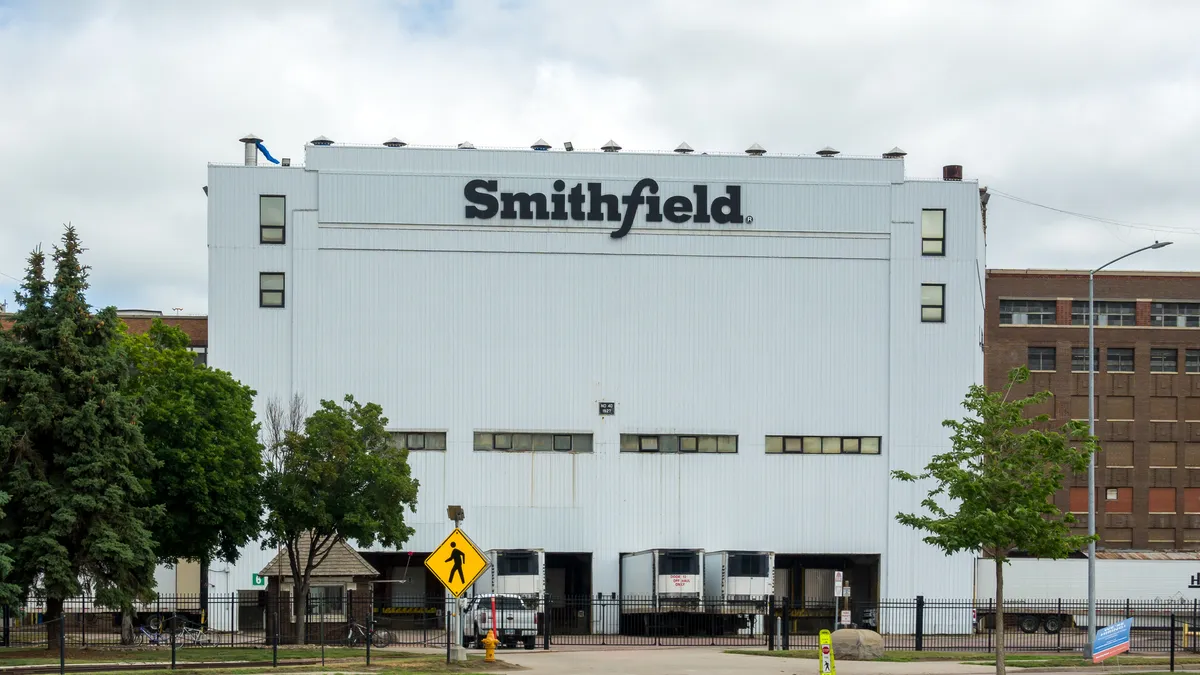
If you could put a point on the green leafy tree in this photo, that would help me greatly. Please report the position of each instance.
(74, 462)
(994, 490)
(332, 477)
(9, 593)
(199, 423)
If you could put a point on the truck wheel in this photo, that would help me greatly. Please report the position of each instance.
(530, 643)
(1053, 624)
(1028, 623)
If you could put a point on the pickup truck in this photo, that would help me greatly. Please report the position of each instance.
(516, 622)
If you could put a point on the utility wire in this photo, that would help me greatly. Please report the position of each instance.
(1098, 219)
(2, 274)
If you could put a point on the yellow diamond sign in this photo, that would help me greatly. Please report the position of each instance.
(457, 562)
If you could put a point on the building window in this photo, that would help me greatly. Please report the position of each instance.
(1028, 312)
(691, 443)
(823, 445)
(419, 440)
(1162, 500)
(1164, 360)
(270, 289)
(1191, 500)
(933, 232)
(201, 355)
(1175, 314)
(933, 303)
(1042, 358)
(1191, 361)
(271, 219)
(505, 441)
(1120, 360)
(1118, 500)
(1108, 313)
(326, 599)
(1077, 501)
(1079, 359)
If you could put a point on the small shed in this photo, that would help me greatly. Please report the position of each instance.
(340, 586)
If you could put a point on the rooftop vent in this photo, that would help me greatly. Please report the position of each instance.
(894, 153)
(466, 145)
(251, 142)
(611, 146)
(683, 148)
(756, 150)
(569, 146)
(287, 161)
(322, 141)
(540, 145)
(952, 172)
(827, 152)
(394, 142)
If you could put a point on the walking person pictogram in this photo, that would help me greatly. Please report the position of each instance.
(457, 557)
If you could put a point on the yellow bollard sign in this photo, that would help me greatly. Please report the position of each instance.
(827, 667)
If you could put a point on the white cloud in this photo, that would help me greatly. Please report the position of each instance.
(113, 109)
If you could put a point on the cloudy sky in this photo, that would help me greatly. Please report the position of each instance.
(111, 110)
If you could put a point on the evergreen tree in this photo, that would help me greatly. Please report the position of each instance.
(74, 462)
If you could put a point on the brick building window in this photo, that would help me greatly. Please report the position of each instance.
(1042, 358)
(1162, 500)
(1078, 500)
(1079, 359)
(1191, 361)
(270, 289)
(933, 232)
(1108, 313)
(271, 219)
(1028, 312)
(933, 303)
(1164, 360)
(1118, 500)
(1191, 500)
(1120, 360)
(1175, 314)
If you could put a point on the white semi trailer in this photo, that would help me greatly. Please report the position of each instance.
(737, 585)
(519, 572)
(1051, 595)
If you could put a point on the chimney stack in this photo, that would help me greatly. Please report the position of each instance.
(251, 142)
(952, 172)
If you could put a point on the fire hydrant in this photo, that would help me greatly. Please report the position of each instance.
(489, 647)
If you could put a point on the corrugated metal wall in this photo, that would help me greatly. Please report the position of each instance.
(806, 321)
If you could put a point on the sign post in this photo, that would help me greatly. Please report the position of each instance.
(1111, 640)
(827, 667)
(457, 562)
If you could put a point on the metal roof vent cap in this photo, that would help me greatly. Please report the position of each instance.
(394, 142)
(466, 145)
(611, 146)
(251, 145)
(756, 150)
(321, 140)
(683, 149)
(894, 153)
(827, 152)
(540, 145)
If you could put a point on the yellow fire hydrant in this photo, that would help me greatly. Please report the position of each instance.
(489, 647)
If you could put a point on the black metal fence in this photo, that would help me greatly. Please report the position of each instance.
(357, 620)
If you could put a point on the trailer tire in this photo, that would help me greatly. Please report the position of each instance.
(1053, 624)
(1028, 623)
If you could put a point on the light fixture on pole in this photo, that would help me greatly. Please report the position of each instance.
(1092, 432)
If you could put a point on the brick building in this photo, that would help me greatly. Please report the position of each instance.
(1147, 389)
(139, 320)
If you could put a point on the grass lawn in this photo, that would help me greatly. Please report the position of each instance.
(985, 659)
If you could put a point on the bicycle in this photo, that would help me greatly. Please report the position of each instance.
(184, 635)
(357, 634)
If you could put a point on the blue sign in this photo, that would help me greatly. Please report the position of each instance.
(1111, 640)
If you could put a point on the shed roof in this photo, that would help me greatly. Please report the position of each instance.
(343, 561)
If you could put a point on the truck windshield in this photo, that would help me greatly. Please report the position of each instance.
(678, 563)
(747, 564)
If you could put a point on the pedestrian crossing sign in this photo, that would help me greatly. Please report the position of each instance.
(457, 563)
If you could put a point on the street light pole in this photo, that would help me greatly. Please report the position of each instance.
(1092, 432)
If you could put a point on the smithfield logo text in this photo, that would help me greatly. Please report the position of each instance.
(593, 204)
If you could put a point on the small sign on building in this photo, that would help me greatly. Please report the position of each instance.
(258, 580)
(607, 407)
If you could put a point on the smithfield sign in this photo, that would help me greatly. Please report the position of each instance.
(592, 203)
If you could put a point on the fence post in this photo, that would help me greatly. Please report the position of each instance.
(62, 644)
(1172, 642)
(275, 638)
(785, 637)
(173, 627)
(7, 617)
(370, 626)
(769, 623)
(545, 620)
(83, 619)
(322, 620)
(920, 627)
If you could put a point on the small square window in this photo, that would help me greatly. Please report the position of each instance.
(270, 289)
(1191, 361)
(708, 443)
(933, 232)
(1079, 360)
(831, 445)
(435, 441)
(1110, 494)
(648, 443)
(933, 303)
(1120, 360)
(1164, 360)
(502, 441)
(793, 444)
(416, 441)
(271, 219)
(727, 444)
(869, 445)
(483, 441)
(688, 444)
(562, 443)
(850, 445)
(812, 445)
(774, 445)
(1042, 358)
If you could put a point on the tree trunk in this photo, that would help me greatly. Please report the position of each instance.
(300, 611)
(127, 627)
(204, 591)
(54, 612)
(999, 617)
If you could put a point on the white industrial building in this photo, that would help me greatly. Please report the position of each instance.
(775, 335)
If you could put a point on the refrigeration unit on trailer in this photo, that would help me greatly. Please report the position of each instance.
(519, 572)
(1050, 595)
(737, 585)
